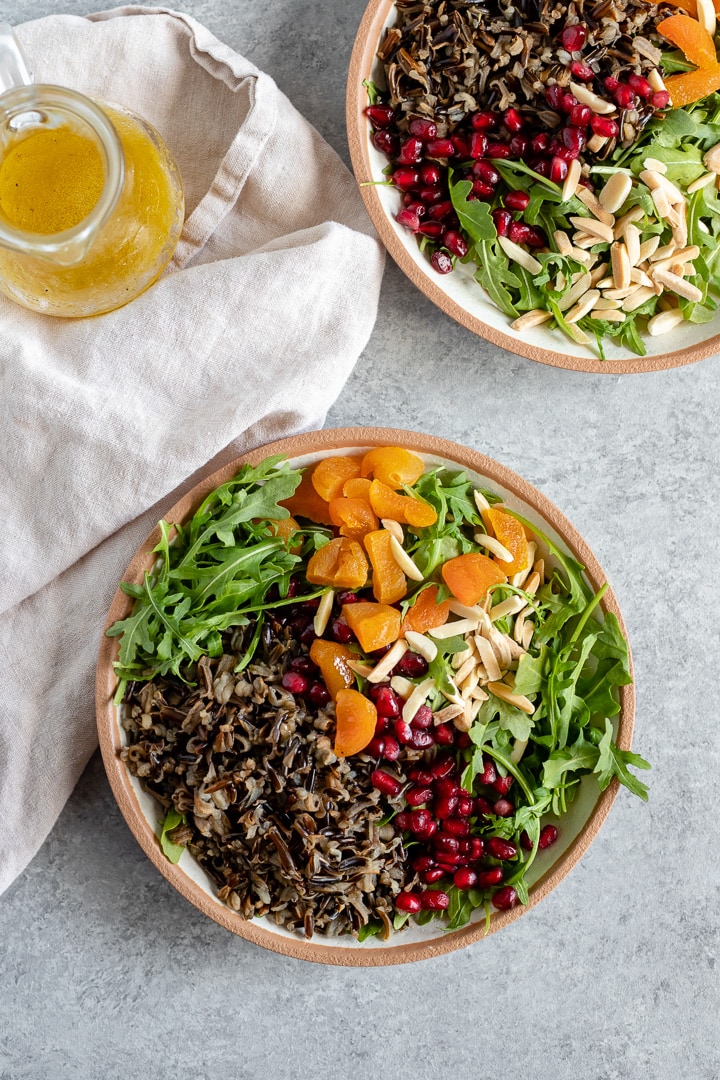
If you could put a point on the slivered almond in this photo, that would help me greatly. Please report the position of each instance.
(596, 142)
(686, 254)
(421, 643)
(519, 748)
(539, 568)
(574, 293)
(532, 584)
(573, 331)
(657, 182)
(621, 294)
(664, 321)
(530, 319)
(632, 243)
(402, 686)
(611, 316)
(504, 692)
(521, 577)
(448, 713)
(480, 500)
(404, 561)
(363, 670)
(528, 631)
(388, 662)
(519, 255)
(394, 528)
(571, 180)
(711, 159)
(511, 606)
(475, 614)
(661, 201)
(655, 79)
(635, 214)
(323, 613)
(606, 283)
(562, 241)
(597, 274)
(655, 165)
(520, 623)
(462, 673)
(587, 97)
(639, 277)
(418, 697)
(678, 285)
(607, 305)
(479, 695)
(462, 626)
(594, 206)
(648, 248)
(638, 298)
(615, 192)
(701, 182)
(587, 258)
(706, 16)
(469, 683)
(583, 241)
(502, 652)
(460, 657)
(594, 228)
(487, 655)
(586, 304)
(620, 265)
(489, 542)
(663, 252)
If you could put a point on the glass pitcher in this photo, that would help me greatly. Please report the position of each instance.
(91, 201)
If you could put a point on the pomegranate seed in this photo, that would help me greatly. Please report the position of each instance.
(440, 148)
(567, 155)
(477, 848)
(489, 773)
(423, 129)
(417, 795)
(434, 229)
(386, 143)
(401, 821)
(294, 682)
(441, 262)
(482, 190)
(421, 740)
(431, 195)
(498, 150)
(392, 749)
(303, 664)
(504, 898)
(483, 170)
(548, 836)
(340, 631)
(430, 175)
(375, 747)
(389, 785)
(418, 820)
(660, 99)
(408, 901)
(483, 121)
(462, 146)
(413, 206)
(517, 200)
(503, 784)
(513, 121)
(500, 849)
(456, 826)
(640, 86)
(543, 168)
(624, 96)
(518, 146)
(318, 694)
(382, 116)
(466, 805)
(574, 37)
(440, 210)
(525, 842)
(411, 666)
(444, 766)
(422, 862)
(408, 219)
(447, 788)
(581, 71)
(423, 718)
(601, 125)
(490, 877)
(403, 732)
(406, 178)
(464, 878)
(610, 84)
(554, 96)
(386, 702)
(580, 115)
(540, 142)
(444, 733)
(569, 101)
(421, 776)
(478, 144)
(462, 740)
(446, 844)
(503, 808)
(558, 169)
(381, 724)
(435, 874)
(445, 807)
(429, 831)
(434, 901)
(537, 238)
(482, 807)
(308, 635)
(503, 220)
(411, 151)
(347, 597)
(456, 243)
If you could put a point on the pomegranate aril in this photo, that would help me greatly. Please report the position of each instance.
(308, 635)
(418, 820)
(462, 146)
(446, 844)
(456, 826)
(421, 740)
(433, 875)
(548, 836)
(386, 143)
(462, 740)
(554, 96)
(410, 203)
(387, 702)
(483, 808)
(574, 37)
(537, 238)
(482, 190)
(434, 229)
(410, 152)
(503, 808)
(503, 221)
(392, 749)
(542, 168)
(446, 787)
(389, 785)
(456, 243)
(416, 795)
(569, 101)
(503, 784)
(411, 666)
(498, 150)
(406, 178)
(443, 766)
(433, 900)
(421, 776)
(611, 84)
(408, 219)
(318, 694)
(431, 195)
(477, 848)
(423, 129)
(573, 138)
(445, 734)
(640, 86)
(517, 200)
(660, 99)
(540, 142)
(566, 154)
(430, 174)
(445, 807)
(558, 169)
(423, 718)
(341, 632)
(347, 597)
(580, 115)
(624, 96)
(440, 148)
(466, 805)
(464, 878)
(403, 732)
(478, 144)
(483, 121)
(604, 127)
(513, 121)
(489, 773)
(407, 901)
(303, 664)
(504, 898)
(525, 842)
(381, 115)
(499, 848)
(484, 170)
(429, 831)
(401, 821)
(518, 146)
(375, 747)
(294, 682)
(581, 71)
(441, 262)
(440, 210)
(490, 877)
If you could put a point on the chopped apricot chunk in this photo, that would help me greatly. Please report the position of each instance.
(388, 581)
(426, 613)
(354, 516)
(341, 563)
(356, 718)
(468, 577)
(393, 465)
(511, 534)
(691, 38)
(357, 488)
(693, 85)
(403, 508)
(374, 625)
(331, 473)
(307, 503)
(332, 659)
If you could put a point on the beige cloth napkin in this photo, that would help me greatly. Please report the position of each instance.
(249, 335)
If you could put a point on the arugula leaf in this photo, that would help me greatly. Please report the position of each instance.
(613, 762)
(171, 850)
(474, 216)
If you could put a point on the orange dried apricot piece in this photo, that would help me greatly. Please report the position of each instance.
(332, 659)
(331, 473)
(356, 718)
(692, 38)
(403, 508)
(511, 535)
(393, 465)
(357, 488)
(691, 6)
(388, 581)
(426, 613)
(306, 503)
(468, 577)
(341, 563)
(693, 85)
(354, 516)
(374, 625)
(286, 528)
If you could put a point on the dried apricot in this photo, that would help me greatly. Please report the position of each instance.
(354, 516)
(357, 488)
(403, 508)
(511, 535)
(374, 625)
(286, 528)
(426, 613)
(692, 38)
(393, 465)
(388, 581)
(306, 503)
(356, 718)
(693, 85)
(332, 659)
(468, 577)
(341, 563)
(331, 473)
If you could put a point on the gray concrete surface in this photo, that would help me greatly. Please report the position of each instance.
(106, 972)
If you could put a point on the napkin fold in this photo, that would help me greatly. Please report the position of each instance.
(249, 335)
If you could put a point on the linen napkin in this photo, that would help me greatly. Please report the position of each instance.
(249, 335)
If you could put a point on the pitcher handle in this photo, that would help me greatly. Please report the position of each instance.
(13, 66)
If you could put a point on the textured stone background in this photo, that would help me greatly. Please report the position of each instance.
(106, 972)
